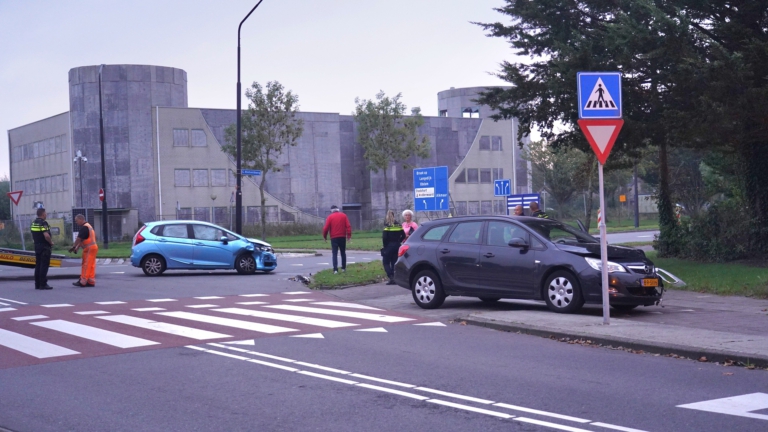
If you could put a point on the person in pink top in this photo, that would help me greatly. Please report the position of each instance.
(409, 226)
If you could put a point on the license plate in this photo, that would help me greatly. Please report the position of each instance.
(650, 282)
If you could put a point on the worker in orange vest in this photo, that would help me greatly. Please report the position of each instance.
(86, 240)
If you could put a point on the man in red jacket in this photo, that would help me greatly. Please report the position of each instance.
(341, 231)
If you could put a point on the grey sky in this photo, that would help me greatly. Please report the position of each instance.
(327, 52)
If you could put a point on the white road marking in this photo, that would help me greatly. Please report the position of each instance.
(705, 296)
(687, 310)
(110, 302)
(202, 306)
(297, 293)
(7, 309)
(252, 303)
(269, 356)
(117, 272)
(261, 362)
(393, 391)
(32, 346)
(343, 304)
(351, 262)
(374, 330)
(242, 342)
(165, 327)
(299, 300)
(254, 295)
(735, 405)
(209, 298)
(95, 334)
(4, 304)
(469, 408)
(327, 369)
(323, 263)
(644, 236)
(245, 325)
(382, 380)
(298, 265)
(541, 413)
(149, 309)
(454, 395)
(290, 318)
(614, 427)
(94, 312)
(161, 300)
(317, 375)
(350, 314)
(552, 425)
(310, 336)
(31, 317)
(57, 305)
(12, 301)
(432, 324)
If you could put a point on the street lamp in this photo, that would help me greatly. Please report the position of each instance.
(239, 193)
(80, 159)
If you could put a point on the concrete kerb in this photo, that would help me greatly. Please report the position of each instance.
(651, 347)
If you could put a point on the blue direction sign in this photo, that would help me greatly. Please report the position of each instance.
(248, 172)
(522, 199)
(599, 95)
(430, 189)
(502, 187)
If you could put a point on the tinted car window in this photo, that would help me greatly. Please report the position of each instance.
(156, 230)
(436, 233)
(204, 232)
(500, 233)
(559, 232)
(467, 232)
(176, 231)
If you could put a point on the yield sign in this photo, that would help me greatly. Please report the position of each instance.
(601, 135)
(15, 196)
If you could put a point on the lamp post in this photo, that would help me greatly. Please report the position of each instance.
(239, 192)
(80, 159)
(104, 228)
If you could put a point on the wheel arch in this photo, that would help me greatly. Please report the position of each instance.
(419, 267)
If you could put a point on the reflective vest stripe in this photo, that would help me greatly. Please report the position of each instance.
(91, 236)
(38, 228)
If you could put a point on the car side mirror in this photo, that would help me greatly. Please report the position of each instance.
(224, 239)
(517, 242)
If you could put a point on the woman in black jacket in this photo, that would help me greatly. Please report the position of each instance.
(392, 237)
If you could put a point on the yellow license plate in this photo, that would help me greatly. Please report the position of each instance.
(650, 282)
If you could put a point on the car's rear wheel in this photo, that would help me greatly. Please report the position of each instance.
(563, 293)
(624, 308)
(489, 299)
(153, 265)
(245, 264)
(427, 290)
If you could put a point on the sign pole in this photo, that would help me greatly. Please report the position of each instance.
(603, 251)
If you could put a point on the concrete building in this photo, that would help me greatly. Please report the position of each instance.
(164, 159)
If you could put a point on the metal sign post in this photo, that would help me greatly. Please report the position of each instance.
(603, 250)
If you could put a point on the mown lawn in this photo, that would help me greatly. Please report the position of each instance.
(116, 250)
(717, 278)
(356, 274)
(361, 240)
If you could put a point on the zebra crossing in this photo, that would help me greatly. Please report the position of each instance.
(34, 334)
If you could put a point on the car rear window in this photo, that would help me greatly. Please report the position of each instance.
(436, 233)
(466, 232)
(157, 230)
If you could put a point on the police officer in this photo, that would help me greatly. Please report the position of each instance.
(536, 211)
(41, 234)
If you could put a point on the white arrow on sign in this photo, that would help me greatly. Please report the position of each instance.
(441, 203)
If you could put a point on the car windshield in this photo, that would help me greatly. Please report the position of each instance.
(558, 232)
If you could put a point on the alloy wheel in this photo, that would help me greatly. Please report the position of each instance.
(560, 292)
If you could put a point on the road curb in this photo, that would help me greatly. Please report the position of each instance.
(712, 355)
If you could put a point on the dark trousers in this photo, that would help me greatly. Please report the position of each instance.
(42, 262)
(339, 244)
(389, 259)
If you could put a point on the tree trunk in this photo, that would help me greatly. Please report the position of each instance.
(668, 243)
(263, 206)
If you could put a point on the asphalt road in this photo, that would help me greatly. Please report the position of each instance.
(407, 369)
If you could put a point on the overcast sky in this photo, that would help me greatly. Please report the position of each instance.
(328, 52)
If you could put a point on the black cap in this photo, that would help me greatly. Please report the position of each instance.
(334, 207)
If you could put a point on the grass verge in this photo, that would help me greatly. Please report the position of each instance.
(634, 244)
(356, 274)
(116, 250)
(361, 240)
(717, 278)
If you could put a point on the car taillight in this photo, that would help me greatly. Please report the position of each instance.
(403, 249)
(139, 238)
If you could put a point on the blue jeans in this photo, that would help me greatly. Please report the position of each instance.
(339, 244)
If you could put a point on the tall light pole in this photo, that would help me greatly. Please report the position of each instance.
(239, 192)
(79, 158)
(104, 228)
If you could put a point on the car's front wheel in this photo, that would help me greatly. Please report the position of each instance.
(427, 290)
(153, 265)
(563, 293)
(245, 264)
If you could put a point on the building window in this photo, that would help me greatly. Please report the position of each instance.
(485, 142)
(461, 208)
(200, 178)
(470, 112)
(486, 207)
(182, 213)
(181, 137)
(181, 177)
(221, 216)
(500, 206)
(485, 175)
(462, 177)
(232, 179)
(198, 138)
(496, 143)
(498, 173)
(443, 113)
(203, 214)
(473, 208)
(472, 175)
(218, 177)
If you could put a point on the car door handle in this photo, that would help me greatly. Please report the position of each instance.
(489, 255)
(445, 251)
(198, 243)
(162, 240)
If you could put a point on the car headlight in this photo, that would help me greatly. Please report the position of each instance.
(597, 264)
(266, 249)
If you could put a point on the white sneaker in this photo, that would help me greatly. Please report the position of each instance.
(343, 270)
(335, 272)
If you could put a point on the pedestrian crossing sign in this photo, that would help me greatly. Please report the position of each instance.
(599, 95)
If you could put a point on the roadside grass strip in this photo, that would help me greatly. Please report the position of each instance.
(357, 274)
(412, 389)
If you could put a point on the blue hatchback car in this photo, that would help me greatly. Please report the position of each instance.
(195, 245)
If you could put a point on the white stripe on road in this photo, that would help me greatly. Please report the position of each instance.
(614, 427)
(245, 325)
(469, 408)
(290, 318)
(350, 314)
(31, 317)
(4, 304)
(7, 309)
(299, 300)
(254, 295)
(432, 324)
(542, 413)
(297, 292)
(110, 302)
(251, 303)
(382, 380)
(32, 346)
(393, 391)
(96, 312)
(160, 300)
(95, 334)
(343, 304)
(152, 309)
(12, 301)
(312, 365)
(209, 297)
(57, 305)
(297, 265)
(454, 395)
(552, 425)
(330, 378)
(165, 327)
(202, 306)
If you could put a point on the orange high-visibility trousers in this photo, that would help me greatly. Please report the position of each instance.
(88, 269)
